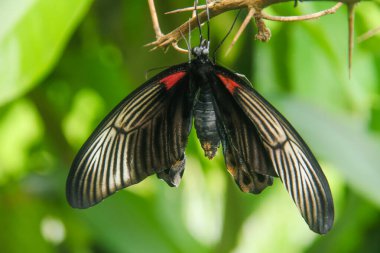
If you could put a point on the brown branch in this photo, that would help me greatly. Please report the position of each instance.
(199, 7)
(315, 15)
(351, 21)
(215, 8)
(220, 6)
(179, 49)
(368, 34)
(156, 25)
(241, 29)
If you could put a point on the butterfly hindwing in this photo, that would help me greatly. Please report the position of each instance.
(292, 160)
(136, 140)
(244, 154)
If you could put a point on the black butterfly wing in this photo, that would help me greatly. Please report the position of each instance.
(145, 134)
(291, 158)
(244, 154)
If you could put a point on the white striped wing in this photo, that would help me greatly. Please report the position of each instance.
(145, 134)
(292, 159)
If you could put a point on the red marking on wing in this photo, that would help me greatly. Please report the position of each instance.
(172, 79)
(230, 84)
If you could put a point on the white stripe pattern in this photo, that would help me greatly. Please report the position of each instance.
(291, 158)
(133, 142)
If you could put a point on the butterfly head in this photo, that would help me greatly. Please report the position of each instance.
(202, 51)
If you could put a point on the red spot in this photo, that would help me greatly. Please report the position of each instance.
(172, 79)
(228, 83)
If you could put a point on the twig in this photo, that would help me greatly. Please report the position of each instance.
(179, 49)
(215, 8)
(175, 35)
(156, 25)
(241, 29)
(221, 6)
(368, 34)
(315, 15)
(199, 7)
(351, 21)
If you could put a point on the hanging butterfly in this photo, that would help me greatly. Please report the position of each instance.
(147, 133)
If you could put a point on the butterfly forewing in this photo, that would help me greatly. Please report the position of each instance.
(136, 140)
(292, 160)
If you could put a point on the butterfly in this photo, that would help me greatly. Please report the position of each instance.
(147, 133)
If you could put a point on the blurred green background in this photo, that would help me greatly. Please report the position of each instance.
(65, 63)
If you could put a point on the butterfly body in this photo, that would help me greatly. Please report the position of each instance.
(147, 134)
(205, 121)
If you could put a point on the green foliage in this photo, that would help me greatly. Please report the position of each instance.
(64, 65)
(32, 35)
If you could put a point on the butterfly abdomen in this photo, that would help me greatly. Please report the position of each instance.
(205, 121)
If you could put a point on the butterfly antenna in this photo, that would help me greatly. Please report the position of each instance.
(199, 22)
(190, 37)
(147, 72)
(189, 42)
(187, 45)
(225, 37)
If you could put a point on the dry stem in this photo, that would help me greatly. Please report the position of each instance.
(153, 13)
(220, 6)
(369, 34)
(315, 15)
(351, 20)
(241, 29)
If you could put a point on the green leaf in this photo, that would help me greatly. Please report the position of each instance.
(32, 35)
(20, 128)
(131, 223)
